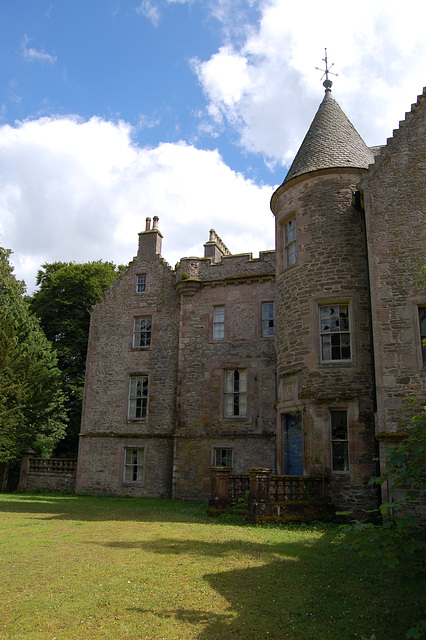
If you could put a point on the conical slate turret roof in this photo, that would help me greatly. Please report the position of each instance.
(332, 141)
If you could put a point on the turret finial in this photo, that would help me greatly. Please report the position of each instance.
(327, 83)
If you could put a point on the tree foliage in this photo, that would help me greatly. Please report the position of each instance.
(399, 539)
(32, 406)
(67, 291)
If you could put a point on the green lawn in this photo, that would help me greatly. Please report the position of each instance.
(89, 567)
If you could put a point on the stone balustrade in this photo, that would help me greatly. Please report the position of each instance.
(267, 492)
(51, 474)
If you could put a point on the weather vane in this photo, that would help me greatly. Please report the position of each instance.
(327, 83)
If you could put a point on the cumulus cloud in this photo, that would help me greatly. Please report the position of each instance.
(265, 84)
(81, 190)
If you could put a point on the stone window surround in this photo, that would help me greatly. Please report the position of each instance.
(229, 454)
(342, 330)
(141, 287)
(146, 332)
(136, 374)
(334, 441)
(421, 349)
(141, 313)
(280, 236)
(225, 394)
(215, 323)
(133, 483)
(352, 415)
(262, 319)
(320, 302)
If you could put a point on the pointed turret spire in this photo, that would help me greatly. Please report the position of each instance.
(331, 141)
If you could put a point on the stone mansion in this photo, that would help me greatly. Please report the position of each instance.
(298, 360)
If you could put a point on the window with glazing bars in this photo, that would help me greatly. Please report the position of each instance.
(267, 319)
(138, 397)
(142, 331)
(218, 323)
(223, 458)
(290, 247)
(339, 441)
(141, 283)
(335, 332)
(133, 465)
(422, 322)
(235, 393)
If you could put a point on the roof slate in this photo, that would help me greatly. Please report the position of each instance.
(331, 141)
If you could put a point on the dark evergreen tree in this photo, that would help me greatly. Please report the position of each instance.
(32, 404)
(62, 303)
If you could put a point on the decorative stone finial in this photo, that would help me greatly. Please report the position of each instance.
(327, 83)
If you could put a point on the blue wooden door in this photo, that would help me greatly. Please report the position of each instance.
(293, 444)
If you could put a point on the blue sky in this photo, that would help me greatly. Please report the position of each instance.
(115, 110)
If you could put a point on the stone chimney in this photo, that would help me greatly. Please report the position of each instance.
(150, 240)
(215, 248)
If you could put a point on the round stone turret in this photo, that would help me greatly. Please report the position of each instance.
(322, 339)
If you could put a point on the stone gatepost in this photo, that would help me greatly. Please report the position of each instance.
(259, 501)
(25, 467)
(219, 487)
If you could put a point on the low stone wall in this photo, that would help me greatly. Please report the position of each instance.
(50, 474)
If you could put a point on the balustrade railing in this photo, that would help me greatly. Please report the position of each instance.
(57, 466)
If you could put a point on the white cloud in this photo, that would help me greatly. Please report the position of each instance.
(224, 77)
(75, 190)
(33, 54)
(266, 85)
(150, 11)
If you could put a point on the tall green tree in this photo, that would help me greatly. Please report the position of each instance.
(32, 405)
(67, 291)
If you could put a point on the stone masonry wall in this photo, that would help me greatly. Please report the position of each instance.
(240, 284)
(194, 458)
(111, 361)
(331, 268)
(395, 197)
(101, 466)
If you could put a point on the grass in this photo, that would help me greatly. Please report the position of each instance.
(87, 567)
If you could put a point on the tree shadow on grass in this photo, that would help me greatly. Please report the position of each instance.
(102, 508)
(301, 591)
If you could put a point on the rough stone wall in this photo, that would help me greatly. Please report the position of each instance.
(193, 460)
(331, 267)
(101, 466)
(111, 361)
(187, 402)
(51, 482)
(237, 266)
(395, 196)
(240, 284)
